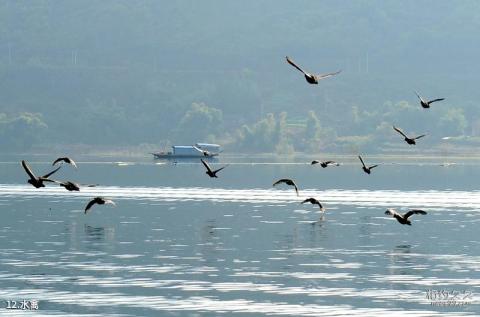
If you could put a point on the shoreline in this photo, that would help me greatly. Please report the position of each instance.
(109, 155)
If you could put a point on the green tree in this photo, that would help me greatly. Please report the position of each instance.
(262, 136)
(199, 123)
(313, 133)
(283, 145)
(453, 122)
(21, 131)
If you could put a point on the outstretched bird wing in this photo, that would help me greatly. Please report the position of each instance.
(47, 175)
(399, 131)
(296, 188)
(206, 166)
(66, 160)
(373, 166)
(206, 153)
(60, 159)
(90, 204)
(361, 160)
(435, 100)
(221, 168)
(323, 76)
(28, 170)
(420, 136)
(414, 211)
(73, 163)
(308, 200)
(320, 205)
(283, 180)
(294, 65)
(314, 162)
(421, 99)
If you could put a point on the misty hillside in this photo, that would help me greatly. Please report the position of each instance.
(123, 73)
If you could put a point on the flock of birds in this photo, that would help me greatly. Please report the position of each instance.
(403, 219)
(314, 79)
(38, 181)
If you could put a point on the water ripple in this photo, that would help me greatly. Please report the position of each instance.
(366, 198)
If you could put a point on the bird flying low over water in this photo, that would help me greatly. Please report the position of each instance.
(71, 186)
(410, 141)
(100, 201)
(37, 182)
(311, 78)
(288, 182)
(313, 201)
(366, 169)
(210, 172)
(426, 103)
(325, 163)
(403, 219)
(66, 160)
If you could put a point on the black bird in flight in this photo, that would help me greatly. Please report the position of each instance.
(426, 103)
(71, 186)
(66, 160)
(311, 78)
(365, 168)
(410, 141)
(100, 201)
(313, 201)
(205, 153)
(403, 219)
(325, 163)
(288, 182)
(209, 171)
(37, 182)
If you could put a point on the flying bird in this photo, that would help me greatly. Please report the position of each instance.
(288, 182)
(311, 78)
(37, 182)
(71, 186)
(66, 160)
(313, 201)
(325, 163)
(426, 103)
(209, 171)
(365, 168)
(410, 141)
(100, 201)
(205, 153)
(403, 219)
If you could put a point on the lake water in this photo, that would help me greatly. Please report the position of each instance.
(181, 244)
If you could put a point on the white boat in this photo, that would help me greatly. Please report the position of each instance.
(189, 151)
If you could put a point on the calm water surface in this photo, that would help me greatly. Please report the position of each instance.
(181, 244)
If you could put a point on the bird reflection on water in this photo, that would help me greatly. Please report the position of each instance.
(401, 260)
(94, 234)
(98, 238)
(209, 240)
